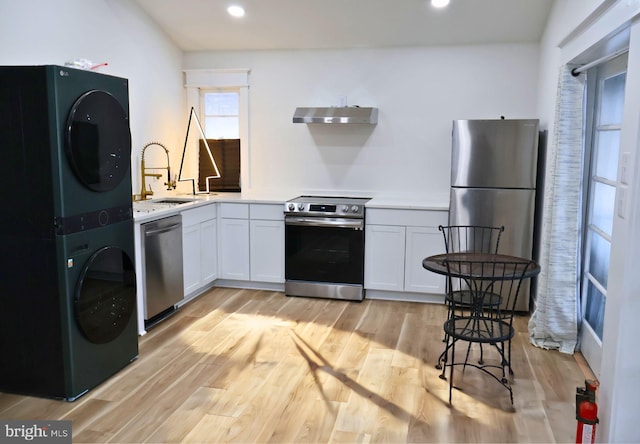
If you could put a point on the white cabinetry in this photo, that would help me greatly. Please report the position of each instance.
(396, 242)
(266, 242)
(420, 243)
(234, 241)
(384, 257)
(199, 248)
(252, 242)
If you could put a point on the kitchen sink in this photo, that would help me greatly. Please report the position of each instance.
(147, 206)
(173, 201)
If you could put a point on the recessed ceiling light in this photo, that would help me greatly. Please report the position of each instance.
(236, 11)
(439, 3)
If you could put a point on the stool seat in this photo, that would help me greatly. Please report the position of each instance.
(485, 330)
(464, 299)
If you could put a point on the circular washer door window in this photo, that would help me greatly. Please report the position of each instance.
(105, 295)
(98, 141)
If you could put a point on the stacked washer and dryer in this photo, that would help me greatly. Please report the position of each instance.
(67, 286)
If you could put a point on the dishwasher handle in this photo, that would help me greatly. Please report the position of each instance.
(162, 230)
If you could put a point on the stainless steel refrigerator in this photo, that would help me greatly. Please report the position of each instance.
(493, 182)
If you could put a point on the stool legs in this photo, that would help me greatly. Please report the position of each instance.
(447, 359)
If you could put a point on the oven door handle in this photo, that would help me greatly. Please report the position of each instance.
(356, 224)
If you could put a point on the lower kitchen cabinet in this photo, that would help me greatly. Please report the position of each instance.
(191, 258)
(209, 256)
(234, 248)
(384, 257)
(199, 248)
(267, 250)
(252, 242)
(420, 243)
(396, 243)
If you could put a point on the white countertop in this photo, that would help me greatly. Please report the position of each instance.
(145, 211)
(148, 210)
(427, 201)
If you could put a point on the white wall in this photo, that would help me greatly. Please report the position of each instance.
(41, 32)
(619, 391)
(565, 16)
(418, 91)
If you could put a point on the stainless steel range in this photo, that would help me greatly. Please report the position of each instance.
(324, 247)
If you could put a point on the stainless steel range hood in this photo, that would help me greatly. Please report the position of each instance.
(336, 114)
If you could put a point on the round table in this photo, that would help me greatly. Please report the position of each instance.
(476, 265)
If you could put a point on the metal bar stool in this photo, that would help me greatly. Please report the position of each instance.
(462, 239)
(484, 323)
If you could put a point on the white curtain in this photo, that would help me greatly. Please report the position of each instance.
(554, 322)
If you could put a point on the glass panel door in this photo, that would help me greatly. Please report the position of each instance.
(605, 101)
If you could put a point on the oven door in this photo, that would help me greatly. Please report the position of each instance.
(325, 250)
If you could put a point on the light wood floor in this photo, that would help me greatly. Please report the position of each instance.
(256, 366)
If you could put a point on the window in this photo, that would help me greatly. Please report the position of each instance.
(222, 131)
(220, 100)
(605, 102)
(221, 115)
(226, 153)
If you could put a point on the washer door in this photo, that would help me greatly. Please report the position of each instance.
(98, 141)
(105, 295)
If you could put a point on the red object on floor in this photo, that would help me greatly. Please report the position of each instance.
(586, 412)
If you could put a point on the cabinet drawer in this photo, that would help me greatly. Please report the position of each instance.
(199, 214)
(234, 210)
(266, 211)
(409, 218)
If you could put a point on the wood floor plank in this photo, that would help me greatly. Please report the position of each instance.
(257, 416)
(208, 428)
(302, 310)
(137, 406)
(289, 416)
(34, 407)
(407, 351)
(220, 309)
(316, 331)
(180, 423)
(339, 335)
(237, 365)
(318, 423)
(85, 413)
(431, 419)
(400, 389)
(155, 414)
(337, 378)
(9, 402)
(387, 332)
(361, 408)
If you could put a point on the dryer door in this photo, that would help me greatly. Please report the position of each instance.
(98, 141)
(105, 296)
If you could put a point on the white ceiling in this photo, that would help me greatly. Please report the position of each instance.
(204, 25)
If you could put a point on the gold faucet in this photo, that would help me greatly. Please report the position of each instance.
(171, 184)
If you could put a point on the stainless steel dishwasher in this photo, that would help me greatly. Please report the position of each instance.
(163, 280)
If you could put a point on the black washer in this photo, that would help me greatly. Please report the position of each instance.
(106, 295)
(98, 141)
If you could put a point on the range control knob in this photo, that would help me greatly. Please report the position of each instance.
(300, 206)
(291, 207)
(354, 208)
(345, 208)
